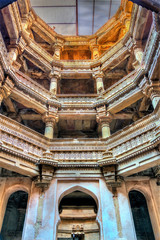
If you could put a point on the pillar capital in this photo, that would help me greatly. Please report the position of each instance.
(97, 73)
(57, 48)
(50, 116)
(103, 116)
(55, 73)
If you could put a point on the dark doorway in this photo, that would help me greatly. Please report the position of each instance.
(14, 216)
(141, 216)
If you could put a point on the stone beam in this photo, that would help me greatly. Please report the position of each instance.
(77, 114)
(8, 102)
(140, 24)
(125, 101)
(16, 164)
(140, 163)
(28, 101)
(27, 116)
(11, 23)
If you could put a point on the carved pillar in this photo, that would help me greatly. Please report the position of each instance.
(6, 89)
(55, 76)
(50, 118)
(104, 118)
(13, 53)
(49, 128)
(98, 76)
(151, 89)
(57, 49)
(95, 51)
(105, 129)
(94, 48)
(155, 96)
(138, 52)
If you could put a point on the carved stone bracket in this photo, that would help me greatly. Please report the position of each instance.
(46, 170)
(6, 88)
(109, 164)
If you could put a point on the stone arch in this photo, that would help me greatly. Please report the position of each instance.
(79, 188)
(83, 190)
(15, 212)
(146, 191)
(140, 213)
(7, 193)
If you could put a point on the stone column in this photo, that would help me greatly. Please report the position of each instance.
(50, 118)
(55, 75)
(57, 49)
(13, 53)
(49, 128)
(155, 96)
(138, 53)
(94, 48)
(105, 129)
(151, 89)
(99, 83)
(98, 75)
(95, 51)
(104, 118)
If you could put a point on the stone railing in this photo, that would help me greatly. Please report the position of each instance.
(72, 100)
(20, 140)
(134, 139)
(27, 83)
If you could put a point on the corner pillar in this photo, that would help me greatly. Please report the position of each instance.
(151, 89)
(50, 118)
(49, 128)
(57, 49)
(138, 53)
(13, 53)
(98, 76)
(104, 118)
(55, 76)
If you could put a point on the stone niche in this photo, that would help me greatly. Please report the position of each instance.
(78, 213)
